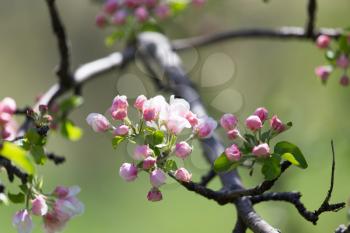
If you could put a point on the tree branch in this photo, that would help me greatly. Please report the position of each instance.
(311, 21)
(282, 33)
(63, 70)
(207, 177)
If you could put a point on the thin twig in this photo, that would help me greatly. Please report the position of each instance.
(311, 21)
(207, 178)
(56, 158)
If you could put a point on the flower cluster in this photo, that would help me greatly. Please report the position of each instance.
(337, 55)
(8, 126)
(253, 145)
(56, 209)
(157, 135)
(138, 14)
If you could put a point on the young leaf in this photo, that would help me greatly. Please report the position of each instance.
(116, 141)
(38, 154)
(16, 198)
(158, 137)
(293, 153)
(222, 164)
(271, 168)
(71, 103)
(70, 131)
(170, 165)
(18, 156)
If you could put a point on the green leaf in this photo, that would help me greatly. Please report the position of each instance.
(112, 39)
(343, 43)
(222, 164)
(116, 141)
(38, 154)
(71, 103)
(70, 131)
(170, 165)
(150, 27)
(18, 156)
(158, 137)
(293, 153)
(271, 168)
(16, 198)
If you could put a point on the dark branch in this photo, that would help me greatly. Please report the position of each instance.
(56, 159)
(294, 198)
(13, 171)
(283, 33)
(207, 178)
(63, 70)
(343, 229)
(311, 21)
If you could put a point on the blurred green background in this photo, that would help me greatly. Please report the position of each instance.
(271, 73)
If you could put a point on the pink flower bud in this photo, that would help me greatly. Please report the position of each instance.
(120, 102)
(149, 114)
(183, 175)
(141, 14)
(54, 222)
(276, 124)
(121, 130)
(323, 72)
(253, 123)
(157, 178)
(9, 130)
(233, 134)
(39, 206)
(206, 127)
(228, 121)
(98, 122)
(262, 113)
(233, 153)
(139, 102)
(101, 21)
(8, 105)
(5, 117)
(119, 18)
(110, 6)
(142, 151)
(149, 163)
(119, 114)
(162, 11)
(131, 3)
(192, 118)
(23, 222)
(128, 172)
(344, 80)
(261, 150)
(65, 192)
(323, 41)
(343, 61)
(154, 195)
(183, 149)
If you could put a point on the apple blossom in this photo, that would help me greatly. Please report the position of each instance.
(183, 175)
(323, 41)
(141, 14)
(149, 162)
(261, 150)
(157, 178)
(162, 11)
(206, 127)
(183, 149)
(110, 6)
(39, 206)
(23, 222)
(119, 18)
(142, 151)
(228, 121)
(121, 130)
(253, 123)
(101, 21)
(323, 72)
(276, 124)
(233, 134)
(128, 172)
(8, 105)
(154, 195)
(233, 153)
(343, 61)
(344, 81)
(139, 102)
(192, 118)
(98, 122)
(262, 113)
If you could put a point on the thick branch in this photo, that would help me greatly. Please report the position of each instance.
(283, 33)
(63, 70)
(12, 171)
